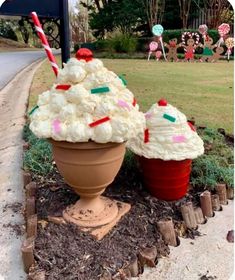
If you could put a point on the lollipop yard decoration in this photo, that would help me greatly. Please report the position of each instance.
(203, 31)
(157, 30)
(229, 42)
(152, 48)
(223, 30)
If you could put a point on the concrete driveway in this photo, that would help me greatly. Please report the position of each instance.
(13, 62)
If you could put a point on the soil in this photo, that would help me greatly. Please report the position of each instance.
(15, 207)
(17, 229)
(65, 252)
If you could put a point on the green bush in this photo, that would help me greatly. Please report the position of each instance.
(216, 165)
(123, 43)
(7, 31)
(207, 172)
(38, 158)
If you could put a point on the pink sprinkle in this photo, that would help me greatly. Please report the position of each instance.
(148, 115)
(123, 104)
(56, 126)
(179, 138)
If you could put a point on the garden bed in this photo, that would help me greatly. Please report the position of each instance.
(62, 251)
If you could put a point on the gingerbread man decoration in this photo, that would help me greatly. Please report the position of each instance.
(189, 49)
(207, 49)
(172, 49)
(217, 54)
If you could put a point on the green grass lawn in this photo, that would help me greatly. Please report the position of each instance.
(200, 90)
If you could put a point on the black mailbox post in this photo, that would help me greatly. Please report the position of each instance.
(45, 9)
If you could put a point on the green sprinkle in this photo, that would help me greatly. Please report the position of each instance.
(100, 90)
(123, 80)
(169, 118)
(34, 108)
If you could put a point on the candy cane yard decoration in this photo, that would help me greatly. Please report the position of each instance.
(157, 30)
(44, 41)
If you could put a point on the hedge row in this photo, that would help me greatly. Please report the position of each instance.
(138, 44)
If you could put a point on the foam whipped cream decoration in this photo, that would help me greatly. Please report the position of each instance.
(87, 102)
(168, 135)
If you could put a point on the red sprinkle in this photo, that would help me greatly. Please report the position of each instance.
(192, 126)
(134, 102)
(105, 119)
(146, 135)
(63, 87)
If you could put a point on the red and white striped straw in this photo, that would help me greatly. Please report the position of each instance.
(44, 41)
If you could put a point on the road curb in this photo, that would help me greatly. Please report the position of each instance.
(13, 105)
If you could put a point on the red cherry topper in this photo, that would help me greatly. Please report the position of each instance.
(162, 102)
(84, 54)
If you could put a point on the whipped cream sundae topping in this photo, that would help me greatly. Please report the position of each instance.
(168, 135)
(87, 102)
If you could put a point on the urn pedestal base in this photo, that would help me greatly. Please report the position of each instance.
(92, 212)
(89, 167)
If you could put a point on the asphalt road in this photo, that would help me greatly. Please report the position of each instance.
(13, 62)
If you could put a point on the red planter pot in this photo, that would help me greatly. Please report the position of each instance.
(166, 180)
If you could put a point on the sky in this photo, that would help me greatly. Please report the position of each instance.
(1, 1)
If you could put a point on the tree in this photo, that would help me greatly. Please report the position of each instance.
(221, 10)
(171, 18)
(184, 11)
(7, 29)
(125, 15)
(24, 30)
(79, 23)
(154, 11)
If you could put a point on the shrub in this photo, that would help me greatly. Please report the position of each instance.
(38, 158)
(216, 165)
(7, 31)
(207, 172)
(123, 43)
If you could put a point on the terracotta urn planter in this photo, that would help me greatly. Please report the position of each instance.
(89, 168)
(166, 180)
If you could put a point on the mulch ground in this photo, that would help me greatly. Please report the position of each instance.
(65, 252)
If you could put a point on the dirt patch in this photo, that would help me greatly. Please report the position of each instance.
(15, 228)
(14, 207)
(65, 252)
